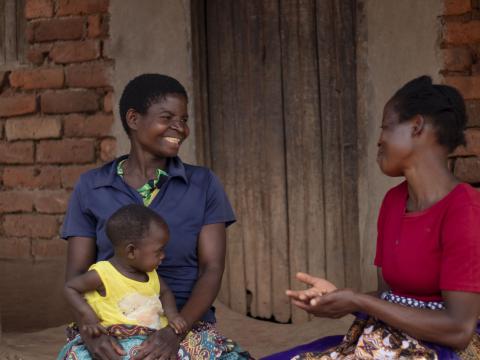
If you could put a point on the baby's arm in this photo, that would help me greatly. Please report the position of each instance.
(176, 321)
(74, 290)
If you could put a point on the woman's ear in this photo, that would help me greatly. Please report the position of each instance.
(418, 125)
(130, 251)
(132, 118)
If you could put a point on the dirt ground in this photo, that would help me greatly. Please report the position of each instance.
(259, 337)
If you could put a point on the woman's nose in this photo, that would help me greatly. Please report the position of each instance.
(178, 124)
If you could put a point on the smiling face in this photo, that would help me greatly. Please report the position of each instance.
(395, 144)
(163, 128)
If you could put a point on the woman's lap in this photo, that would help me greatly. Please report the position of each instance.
(369, 338)
(203, 342)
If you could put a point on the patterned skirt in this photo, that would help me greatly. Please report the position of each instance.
(369, 338)
(202, 342)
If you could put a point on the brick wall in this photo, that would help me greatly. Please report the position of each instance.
(55, 121)
(461, 53)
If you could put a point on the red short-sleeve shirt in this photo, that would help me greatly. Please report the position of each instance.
(423, 253)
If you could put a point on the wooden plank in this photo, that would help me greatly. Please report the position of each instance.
(344, 21)
(200, 82)
(2, 32)
(20, 31)
(223, 137)
(273, 177)
(331, 143)
(303, 134)
(265, 207)
(10, 31)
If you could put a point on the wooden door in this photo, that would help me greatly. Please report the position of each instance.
(276, 122)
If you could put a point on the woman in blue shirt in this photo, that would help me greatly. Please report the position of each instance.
(153, 110)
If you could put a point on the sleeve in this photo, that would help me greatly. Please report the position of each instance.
(380, 224)
(460, 264)
(218, 208)
(78, 221)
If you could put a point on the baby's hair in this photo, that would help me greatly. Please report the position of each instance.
(131, 223)
(443, 104)
(145, 90)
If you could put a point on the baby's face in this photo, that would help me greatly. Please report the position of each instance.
(150, 251)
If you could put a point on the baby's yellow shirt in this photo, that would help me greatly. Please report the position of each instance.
(127, 301)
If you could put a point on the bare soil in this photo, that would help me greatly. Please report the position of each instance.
(259, 337)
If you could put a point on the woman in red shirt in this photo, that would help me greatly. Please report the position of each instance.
(428, 247)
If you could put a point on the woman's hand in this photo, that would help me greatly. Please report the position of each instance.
(318, 287)
(161, 345)
(333, 305)
(102, 347)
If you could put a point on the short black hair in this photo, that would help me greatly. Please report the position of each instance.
(145, 90)
(443, 104)
(131, 223)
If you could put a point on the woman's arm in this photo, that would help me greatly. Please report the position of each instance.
(81, 253)
(211, 263)
(452, 327)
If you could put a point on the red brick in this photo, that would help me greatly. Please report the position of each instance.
(88, 126)
(75, 51)
(71, 174)
(31, 225)
(461, 32)
(19, 152)
(89, 75)
(57, 29)
(36, 53)
(3, 79)
(469, 86)
(16, 201)
(51, 248)
(13, 105)
(2, 128)
(108, 103)
(38, 8)
(69, 101)
(33, 128)
(97, 26)
(108, 149)
(30, 177)
(473, 112)
(473, 144)
(77, 7)
(46, 78)
(15, 248)
(468, 169)
(457, 59)
(51, 202)
(66, 151)
(457, 7)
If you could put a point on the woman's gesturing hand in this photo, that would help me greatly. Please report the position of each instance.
(318, 287)
(333, 305)
(162, 345)
(323, 299)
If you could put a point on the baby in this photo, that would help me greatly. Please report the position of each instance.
(124, 296)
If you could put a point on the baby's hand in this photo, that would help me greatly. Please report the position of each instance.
(94, 329)
(178, 324)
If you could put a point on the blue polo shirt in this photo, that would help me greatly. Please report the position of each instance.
(192, 196)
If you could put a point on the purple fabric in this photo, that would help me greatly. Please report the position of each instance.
(322, 344)
(317, 345)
